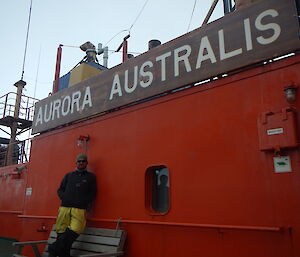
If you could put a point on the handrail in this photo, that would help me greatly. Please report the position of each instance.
(180, 224)
(21, 151)
(209, 226)
(22, 95)
(7, 103)
(16, 212)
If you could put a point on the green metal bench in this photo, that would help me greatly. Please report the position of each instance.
(93, 242)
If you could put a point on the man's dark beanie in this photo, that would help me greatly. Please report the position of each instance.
(81, 157)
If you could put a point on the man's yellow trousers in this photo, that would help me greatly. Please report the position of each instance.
(72, 218)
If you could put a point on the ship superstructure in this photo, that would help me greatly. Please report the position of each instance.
(195, 144)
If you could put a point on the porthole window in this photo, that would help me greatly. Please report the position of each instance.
(158, 189)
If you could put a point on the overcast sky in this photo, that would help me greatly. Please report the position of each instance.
(75, 22)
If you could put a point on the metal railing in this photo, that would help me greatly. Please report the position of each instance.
(7, 106)
(21, 151)
(21, 148)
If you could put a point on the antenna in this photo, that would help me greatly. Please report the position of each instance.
(100, 49)
(26, 42)
(103, 51)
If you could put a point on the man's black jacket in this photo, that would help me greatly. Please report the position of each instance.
(77, 189)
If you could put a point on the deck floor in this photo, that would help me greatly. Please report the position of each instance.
(6, 248)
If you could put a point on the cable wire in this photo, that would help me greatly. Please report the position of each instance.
(191, 16)
(124, 30)
(116, 35)
(128, 30)
(138, 15)
(71, 46)
(37, 72)
(27, 35)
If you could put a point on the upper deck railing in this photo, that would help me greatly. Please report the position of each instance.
(7, 106)
(21, 151)
(21, 147)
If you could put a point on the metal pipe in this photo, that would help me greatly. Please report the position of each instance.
(209, 226)
(15, 212)
(5, 105)
(124, 44)
(36, 217)
(100, 49)
(20, 85)
(10, 149)
(179, 224)
(213, 6)
(57, 69)
(125, 49)
(105, 56)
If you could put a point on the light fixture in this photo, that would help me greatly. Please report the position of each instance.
(82, 140)
(290, 93)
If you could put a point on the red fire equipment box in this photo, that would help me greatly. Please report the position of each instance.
(277, 130)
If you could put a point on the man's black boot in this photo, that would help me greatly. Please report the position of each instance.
(53, 248)
(69, 237)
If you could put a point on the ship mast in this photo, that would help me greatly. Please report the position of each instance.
(11, 113)
(14, 125)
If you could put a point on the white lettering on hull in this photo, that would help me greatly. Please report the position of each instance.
(62, 107)
(233, 42)
(179, 58)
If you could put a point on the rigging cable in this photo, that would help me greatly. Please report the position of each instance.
(37, 72)
(128, 30)
(116, 35)
(27, 34)
(138, 15)
(191, 16)
(124, 30)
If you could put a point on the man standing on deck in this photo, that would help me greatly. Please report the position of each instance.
(77, 191)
